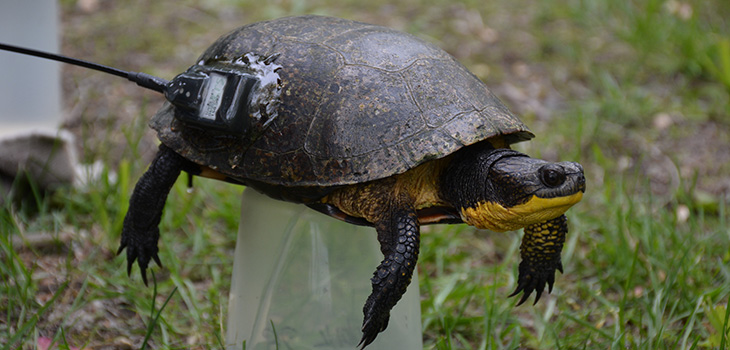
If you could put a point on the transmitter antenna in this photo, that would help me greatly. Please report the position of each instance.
(142, 79)
(214, 97)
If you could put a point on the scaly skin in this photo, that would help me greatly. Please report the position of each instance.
(140, 232)
(399, 242)
(540, 252)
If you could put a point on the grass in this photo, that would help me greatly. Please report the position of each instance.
(636, 91)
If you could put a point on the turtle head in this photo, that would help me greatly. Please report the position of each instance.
(502, 189)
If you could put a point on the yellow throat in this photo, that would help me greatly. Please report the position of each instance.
(495, 217)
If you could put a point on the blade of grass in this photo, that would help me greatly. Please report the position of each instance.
(690, 323)
(723, 336)
(155, 316)
(276, 338)
(624, 298)
(123, 183)
(586, 324)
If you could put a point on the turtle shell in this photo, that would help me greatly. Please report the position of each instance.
(357, 102)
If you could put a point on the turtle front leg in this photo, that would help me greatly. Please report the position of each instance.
(140, 232)
(399, 239)
(540, 251)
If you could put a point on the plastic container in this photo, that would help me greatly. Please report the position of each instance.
(300, 279)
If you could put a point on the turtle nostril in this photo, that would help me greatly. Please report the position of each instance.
(552, 175)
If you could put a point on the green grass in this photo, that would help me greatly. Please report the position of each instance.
(646, 261)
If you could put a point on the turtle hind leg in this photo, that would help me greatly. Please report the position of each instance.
(140, 231)
(399, 241)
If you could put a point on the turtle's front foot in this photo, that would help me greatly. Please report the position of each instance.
(533, 278)
(540, 251)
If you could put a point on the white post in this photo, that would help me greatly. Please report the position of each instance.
(30, 88)
(30, 100)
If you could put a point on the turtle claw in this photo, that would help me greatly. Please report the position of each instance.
(375, 322)
(534, 278)
(140, 249)
(143, 267)
(143, 263)
(143, 272)
(517, 291)
(365, 341)
(156, 258)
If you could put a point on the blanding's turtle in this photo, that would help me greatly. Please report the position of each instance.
(371, 126)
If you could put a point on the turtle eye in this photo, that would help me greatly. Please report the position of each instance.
(552, 175)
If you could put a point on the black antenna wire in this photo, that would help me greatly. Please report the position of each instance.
(142, 79)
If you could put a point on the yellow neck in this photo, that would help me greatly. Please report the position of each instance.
(495, 217)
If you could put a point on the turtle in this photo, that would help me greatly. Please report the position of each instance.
(372, 126)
